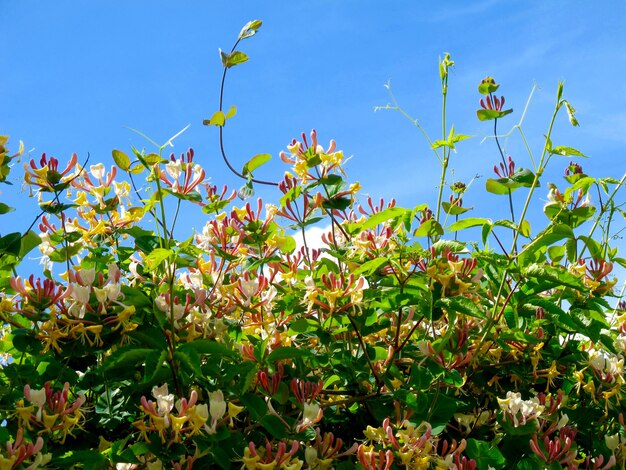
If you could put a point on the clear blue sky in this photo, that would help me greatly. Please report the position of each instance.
(76, 73)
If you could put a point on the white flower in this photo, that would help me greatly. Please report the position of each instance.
(217, 405)
(97, 171)
(612, 442)
(520, 410)
(165, 400)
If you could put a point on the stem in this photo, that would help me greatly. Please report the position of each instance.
(495, 134)
(543, 163)
(379, 382)
(603, 210)
(446, 154)
(221, 132)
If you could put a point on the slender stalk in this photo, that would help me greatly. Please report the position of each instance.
(495, 133)
(603, 210)
(379, 383)
(221, 131)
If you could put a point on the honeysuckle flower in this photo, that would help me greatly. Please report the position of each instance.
(265, 458)
(518, 410)
(165, 400)
(217, 405)
(46, 176)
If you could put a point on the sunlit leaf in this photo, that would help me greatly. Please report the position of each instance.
(121, 160)
(255, 162)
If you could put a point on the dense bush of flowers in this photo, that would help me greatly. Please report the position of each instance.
(396, 345)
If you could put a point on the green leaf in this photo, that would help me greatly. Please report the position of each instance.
(556, 253)
(154, 259)
(370, 267)
(154, 363)
(218, 119)
(524, 230)
(485, 453)
(5, 209)
(28, 243)
(381, 217)
(121, 160)
(487, 86)
(152, 159)
(125, 358)
(490, 114)
(567, 151)
(11, 244)
(521, 178)
(558, 316)
(430, 228)
(89, 459)
(275, 426)
(234, 58)
(250, 29)
(454, 209)
(555, 274)
(551, 235)
(287, 353)
(468, 223)
(453, 245)
(595, 249)
(255, 162)
(462, 305)
(337, 203)
(190, 361)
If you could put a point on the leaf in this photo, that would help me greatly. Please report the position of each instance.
(487, 86)
(571, 114)
(521, 178)
(11, 244)
(121, 160)
(370, 267)
(125, 358)
(381, 217)
(287, 353)
(468, 223)
(453, 245)
(557, 275)
(255, 162)
(430, 228)
(489, 114)
(250, 29)
(567, 151)
(454, 209)
(337, 203)
(154, 259)
(551, 235)
(524, 230)
(556, 315)
(275, 426)
(4, 209)
(461, 305)
(231, 112)
(233, 58)
(90, 459)
(29, 241)
(486, 453)
(595, 249)
(190, 361)
(218, 119)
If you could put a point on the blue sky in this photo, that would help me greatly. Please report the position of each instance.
(76, 73)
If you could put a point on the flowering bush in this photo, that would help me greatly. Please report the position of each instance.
(396, 345)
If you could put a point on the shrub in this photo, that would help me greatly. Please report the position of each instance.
(396, 345)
